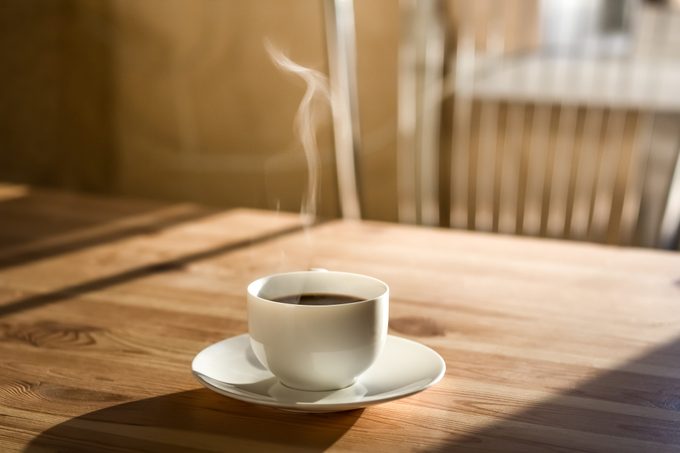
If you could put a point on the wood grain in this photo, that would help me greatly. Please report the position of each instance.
(549, 345)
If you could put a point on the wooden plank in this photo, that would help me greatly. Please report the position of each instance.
(550, 345)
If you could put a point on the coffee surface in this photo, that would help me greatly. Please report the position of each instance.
(318, 299)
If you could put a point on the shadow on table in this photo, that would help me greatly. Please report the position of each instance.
(42, 224)
(633, 408)
(195, 420)
(172, 264)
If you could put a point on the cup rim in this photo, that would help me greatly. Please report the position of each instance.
(258, 282)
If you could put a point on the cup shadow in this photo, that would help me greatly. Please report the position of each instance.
(194, 420)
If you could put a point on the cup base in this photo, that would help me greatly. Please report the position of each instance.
(292, 387)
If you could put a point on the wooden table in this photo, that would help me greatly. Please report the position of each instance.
(550, 346)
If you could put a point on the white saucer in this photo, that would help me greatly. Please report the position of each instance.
(230, 367)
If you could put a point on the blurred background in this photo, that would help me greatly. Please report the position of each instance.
(535, 117)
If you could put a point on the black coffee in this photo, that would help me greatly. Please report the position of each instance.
(318, 299)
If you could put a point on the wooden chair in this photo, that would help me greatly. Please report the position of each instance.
(512, 124)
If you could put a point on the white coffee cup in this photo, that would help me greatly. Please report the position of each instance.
(317, 347)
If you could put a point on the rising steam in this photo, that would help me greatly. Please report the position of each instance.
(306, 120)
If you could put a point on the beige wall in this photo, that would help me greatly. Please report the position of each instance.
(56, 97)
(179, 100)
(201, 111)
